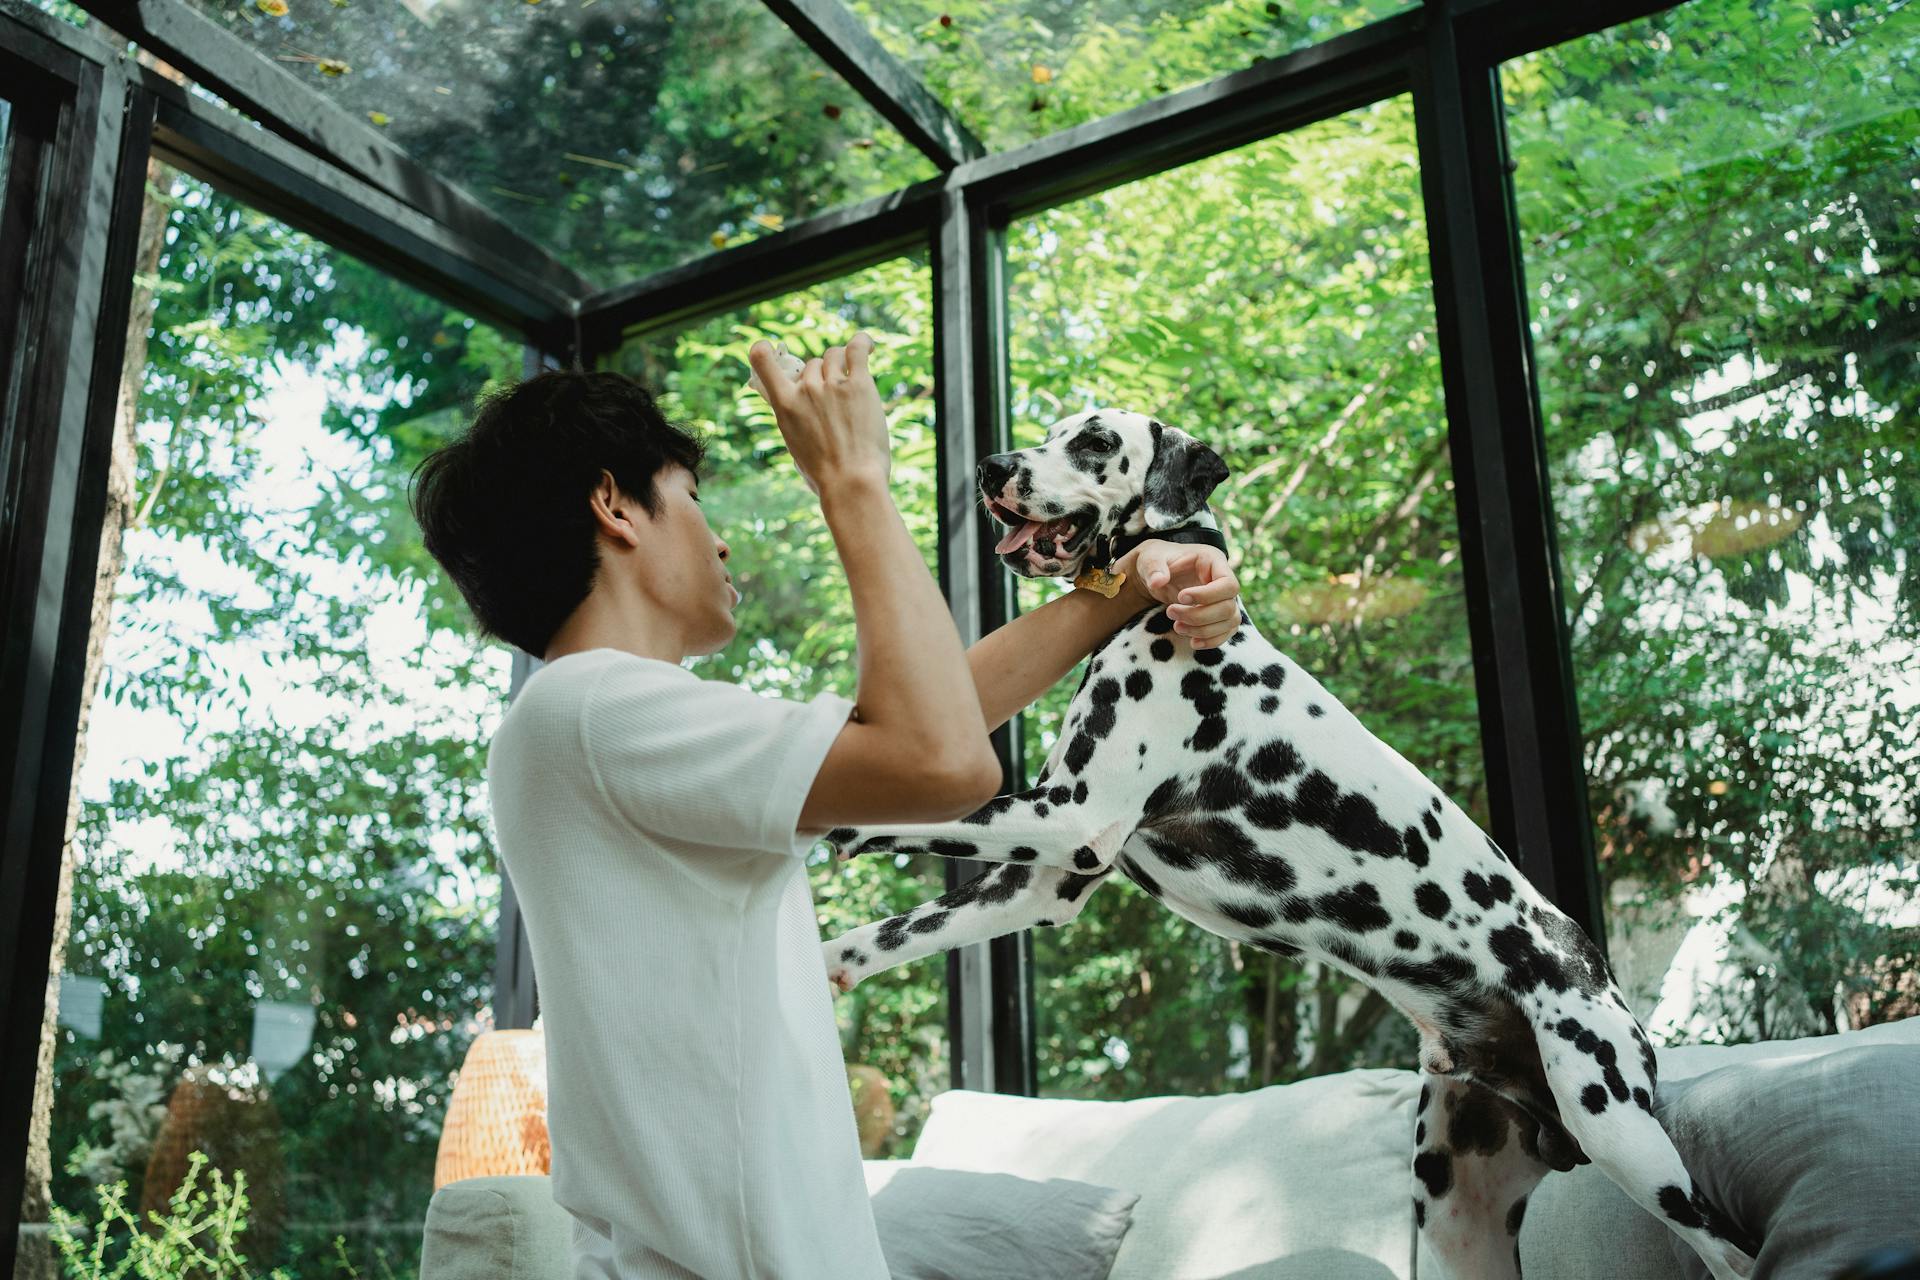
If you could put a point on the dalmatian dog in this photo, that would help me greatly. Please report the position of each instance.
(1230, 785)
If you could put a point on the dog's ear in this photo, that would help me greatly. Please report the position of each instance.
(1183, 472)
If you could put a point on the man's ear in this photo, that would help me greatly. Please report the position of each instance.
(1183, 472)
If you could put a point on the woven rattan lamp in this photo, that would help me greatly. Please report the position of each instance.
(497, 1118)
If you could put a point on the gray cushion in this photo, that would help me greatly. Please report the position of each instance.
(500, 1228)
(1579, 1226)
(948, 1224)
(1819, 1157)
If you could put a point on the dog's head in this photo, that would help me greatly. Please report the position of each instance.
(1097, 476)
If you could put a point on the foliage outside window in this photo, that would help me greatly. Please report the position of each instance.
(285, 898)
(796, 633)
(1275, 302)
(1721, 222)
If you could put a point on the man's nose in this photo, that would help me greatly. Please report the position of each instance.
(993, 473)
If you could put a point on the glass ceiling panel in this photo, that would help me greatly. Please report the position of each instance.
(1015, 70)
(625, 136)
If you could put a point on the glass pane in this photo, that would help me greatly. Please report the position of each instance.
(624, 138)
(285, 897)
(1274, 302)
(1722, 237)
(1015, 72)
(796, 625)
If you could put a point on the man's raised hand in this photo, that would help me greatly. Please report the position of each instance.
(829, 413)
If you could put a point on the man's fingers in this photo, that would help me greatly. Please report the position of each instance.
(858, 349)
(835, 364)
(1224, 587)
(812, 373)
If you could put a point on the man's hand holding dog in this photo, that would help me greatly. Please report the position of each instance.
(1201, 594)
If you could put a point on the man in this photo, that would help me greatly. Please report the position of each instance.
(655, 824)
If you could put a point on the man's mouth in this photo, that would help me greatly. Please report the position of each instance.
(1061, 533)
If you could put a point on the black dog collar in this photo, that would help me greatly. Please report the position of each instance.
(1108, 583)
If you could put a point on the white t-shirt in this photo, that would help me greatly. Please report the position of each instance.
(697, 1097)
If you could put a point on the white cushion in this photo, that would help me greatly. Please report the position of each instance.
(1308, 1180)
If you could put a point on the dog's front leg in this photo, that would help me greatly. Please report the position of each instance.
(1069, 827)
(1002, 899)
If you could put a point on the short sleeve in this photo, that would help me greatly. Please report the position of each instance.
(705, 761)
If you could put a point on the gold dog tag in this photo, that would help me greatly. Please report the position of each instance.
(1107, 584)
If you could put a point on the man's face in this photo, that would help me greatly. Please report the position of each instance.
(681, 565)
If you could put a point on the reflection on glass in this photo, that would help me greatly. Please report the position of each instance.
(285, 902)
(1273, 301)
(1017, 71)
(1718, 213)
(796, 632)
(622, 138)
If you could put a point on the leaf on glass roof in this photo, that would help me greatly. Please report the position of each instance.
(832, 112)
(332, 67)
(1042, 75)
(274, 8)
(380, 118)
(946, 19)
(719, 239)
(771, 221)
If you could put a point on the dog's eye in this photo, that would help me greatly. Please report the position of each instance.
(1093, 442)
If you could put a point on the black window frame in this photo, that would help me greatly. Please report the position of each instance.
(87, 117)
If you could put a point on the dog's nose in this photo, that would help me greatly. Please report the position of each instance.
(993, 473)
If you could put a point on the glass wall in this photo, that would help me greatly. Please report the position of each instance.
(1721, 222)
(796, 625)
(1275, 302)
(284, 893)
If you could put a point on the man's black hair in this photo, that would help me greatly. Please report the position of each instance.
(504, 508)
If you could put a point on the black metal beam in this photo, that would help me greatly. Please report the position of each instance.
(843, 42)
(80, 144)
(1522, 654)
(805, 253)
(223, 63)
(280, 179)
(1272, 97)
(1490, 32)
(989, 985)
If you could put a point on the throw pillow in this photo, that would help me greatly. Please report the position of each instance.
(1819, 1157)
(952, 1224)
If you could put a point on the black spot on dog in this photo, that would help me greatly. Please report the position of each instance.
(931, 923)
(1432, 824)
(1342, 949)
(1268, 703)
(1022, 853)
(1356, 907)
(1200, 689)
(1080, 791)
(1476, 886)
(1315, 709)
(1527, 965)
(1085, 858)
(953, 848)
(1272, 811)
(1040, 809)
(847, 833)
(1420, 1133)
(1272, 675)
(1515, 1216)
(1432, 900)
(1221, 787)
(1434, 1169)
(987, 812)
(1073, 883)
(1405, 941)
(1058, 795)
(1349, 817)
(1277, 947)
(1643, 1100)
(1211, 733)
(1209, 657)
(1161, 649)
(1139, 875)
(1442, 973)
(1139, 685)
(1275, 762)
(1594, 1098)
(1419, 1212)
(1159, 623)
(1416, 846)
(1079, 751)
(1585, 967)
(1479, 1123)
(1253, 915)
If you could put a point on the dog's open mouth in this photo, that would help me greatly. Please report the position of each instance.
(1061, 534)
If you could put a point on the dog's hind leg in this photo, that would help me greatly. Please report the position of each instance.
(1001, 900)
(1601, 1072)
(1474, 1165)
(1061, 825)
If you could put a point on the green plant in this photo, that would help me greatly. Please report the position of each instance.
(193, 1240)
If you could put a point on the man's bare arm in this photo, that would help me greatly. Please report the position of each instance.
(1023, 659)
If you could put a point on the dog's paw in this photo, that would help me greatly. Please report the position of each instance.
(841, 840)
(846, 965)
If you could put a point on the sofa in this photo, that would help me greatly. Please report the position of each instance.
(1304, 1181)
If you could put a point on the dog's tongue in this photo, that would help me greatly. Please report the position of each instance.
(1017, 537)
